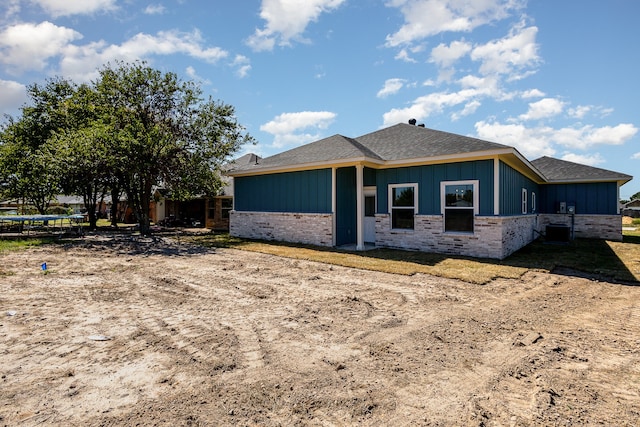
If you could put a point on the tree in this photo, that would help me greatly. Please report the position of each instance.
(26, 168)
(636, 196)
(167, 134)
(85, 150)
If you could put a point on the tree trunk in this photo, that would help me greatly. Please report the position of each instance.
(115, 195)
(145, 203)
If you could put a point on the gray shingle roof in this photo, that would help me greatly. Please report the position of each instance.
(562, 170)
(413, 143)
(398, 142)
(403, 141)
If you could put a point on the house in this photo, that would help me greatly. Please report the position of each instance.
(632, 208)
(416, 188)
(209, 212)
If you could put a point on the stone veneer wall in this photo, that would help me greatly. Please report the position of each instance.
(607, 227)
(493, 237)
(313, 229)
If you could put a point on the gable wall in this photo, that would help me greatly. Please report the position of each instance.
(429, 177)
(300, 192)
(511, 184)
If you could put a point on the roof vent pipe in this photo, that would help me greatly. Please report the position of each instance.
(412, 122)
(421, 125)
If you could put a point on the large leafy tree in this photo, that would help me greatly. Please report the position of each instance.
(27, 170)
(166, 133)
(85, 150)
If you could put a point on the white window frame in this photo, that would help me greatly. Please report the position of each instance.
(533, 202)
(524, 201)
(443, 202)
(391, 207)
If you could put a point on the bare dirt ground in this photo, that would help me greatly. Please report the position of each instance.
(225, 337)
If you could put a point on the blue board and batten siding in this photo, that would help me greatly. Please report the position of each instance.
(295, 192)
(588, 198)
(429, 177)
(346, 209)
(511, 184)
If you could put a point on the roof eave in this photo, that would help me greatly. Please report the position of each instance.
(306, 166)
(620, 181)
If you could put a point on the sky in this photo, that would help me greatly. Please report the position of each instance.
(550, 78)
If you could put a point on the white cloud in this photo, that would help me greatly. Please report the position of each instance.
(391, 87)
(539, 141)
(636, 156)
(11, 8)
(468, 109)
(532, 142)
(445, 56)
(544, 108)
(193, 74)
(81, 62)
(427, 105)
(580, 111)
(14, 95)
(287, 127)
(588, 136)
(588, 159)
(29, 46)
(424, 18)
(513, 53)
(155, 9)
(287, 20)
(403, 55)
(243, 64)
(58, 8)
(532, 93)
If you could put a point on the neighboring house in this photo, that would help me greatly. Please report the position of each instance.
(632, 208)
(410, 187)
(207, 212)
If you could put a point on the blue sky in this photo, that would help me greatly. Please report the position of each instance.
(555, 78)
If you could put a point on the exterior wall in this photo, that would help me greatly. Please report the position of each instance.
(307, 191)
(215, 219)
(511, 184)
(493, 237)
(429, 178)
(599, 198)
(607, 227)
(313, 229)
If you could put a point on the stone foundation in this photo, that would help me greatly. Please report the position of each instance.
(312, 229)
(493, 237)
(607, 227)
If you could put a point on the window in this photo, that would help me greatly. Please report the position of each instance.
(533, 202)
(227, 205)
(459, 205)
(369, 206)
(403, 205)
(524, 200)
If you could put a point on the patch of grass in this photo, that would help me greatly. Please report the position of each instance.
(619, 261)
(20, 244)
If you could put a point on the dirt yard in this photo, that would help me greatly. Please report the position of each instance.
(126, 331)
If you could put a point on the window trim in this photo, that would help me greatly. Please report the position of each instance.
(524, 201)
(533, 202)
(390, 189)
(443, 202)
